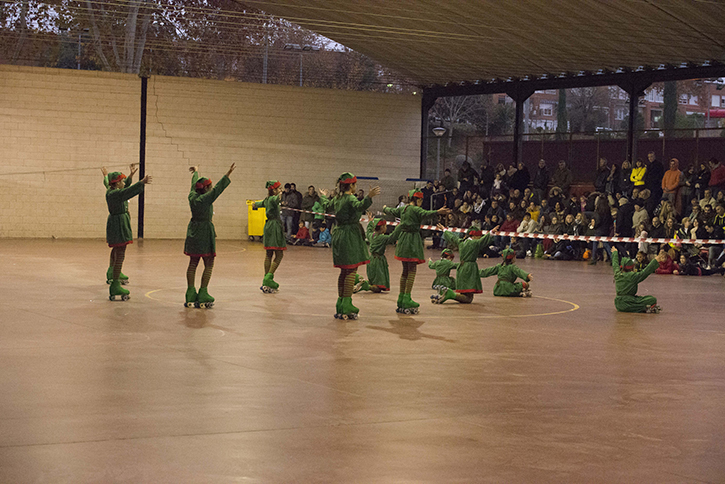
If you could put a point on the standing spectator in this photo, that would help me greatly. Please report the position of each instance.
(308, 201)
(541, 180)
(466, 177)
(600, 176)
(520, 180)
(625, 179)
(639, 174)
(671, 183)
(707, 198)
(486, 178)
(687, 188)
(562, 177)
(427, 193)
(448, 181)
(717, 175)
(288, 216)
(624, 224)
(602, 224)
(654, 175)
(297, 203)
(401, 202)
(439, 200)
(703, 180)
(611, 187)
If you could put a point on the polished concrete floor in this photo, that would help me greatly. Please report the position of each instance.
(272, 389)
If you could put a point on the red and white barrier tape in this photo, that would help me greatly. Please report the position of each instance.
(576, 238)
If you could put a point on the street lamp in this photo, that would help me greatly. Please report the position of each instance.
(302, 48)
(439, 132)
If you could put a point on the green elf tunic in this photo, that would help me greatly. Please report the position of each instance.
(273, 235)
(377, 270)
(468, 279)
(200, 235)
(118, 225)
(506, 285)
(349, 249)
(410, 242)
(443, 270)
(626, 285)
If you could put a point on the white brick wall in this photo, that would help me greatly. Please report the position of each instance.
(53, 119)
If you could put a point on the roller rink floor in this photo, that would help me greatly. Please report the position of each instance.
(273, 389)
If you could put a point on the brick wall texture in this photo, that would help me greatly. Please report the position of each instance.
(58, 127)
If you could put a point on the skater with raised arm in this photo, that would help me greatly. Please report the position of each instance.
(507, 273)
(378, 271)
(468, 279)
(409, 249)
(626, 283)
(126, 183)
(201, 236)
(273, 237)
(349, 249)
(118, 227)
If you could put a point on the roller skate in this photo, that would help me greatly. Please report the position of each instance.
(190, 297)
(204, 300)
(123, 278)
(444, 294)
(526, 291)
(362, 285)
(345, 309)
(117, 293)
(654, 309)
(408, 306)
(268, 284)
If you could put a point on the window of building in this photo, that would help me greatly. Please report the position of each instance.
(683, 98)
(715, 101)
(694, 100)
(546, 109)
(502, 99)
(655, 117)
(620, 114)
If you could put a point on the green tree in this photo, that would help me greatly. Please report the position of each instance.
(562, 121)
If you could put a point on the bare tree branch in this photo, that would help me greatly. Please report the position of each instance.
(97, 36)
(23, 20)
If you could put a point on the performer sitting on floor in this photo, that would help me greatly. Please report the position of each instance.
(507, 273)
(626, 283)
(443, 268)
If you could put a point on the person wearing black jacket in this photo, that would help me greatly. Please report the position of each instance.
(541, 180)
(624, 226)
(427, 193)
(602, 224)
(600, 176)
(520, 180)
(486, 178)
(654, 175)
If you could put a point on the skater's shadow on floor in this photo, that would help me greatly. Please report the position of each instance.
(408, 329)
(196, 318)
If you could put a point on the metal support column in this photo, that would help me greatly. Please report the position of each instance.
(427, 102)
(519, 95)
(635, 89)
(142, 153)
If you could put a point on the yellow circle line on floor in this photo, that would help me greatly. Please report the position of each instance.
(478, 316)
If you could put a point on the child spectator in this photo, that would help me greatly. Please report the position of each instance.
(667, 265)
(325, 239)
(302, 237)
(640, 261)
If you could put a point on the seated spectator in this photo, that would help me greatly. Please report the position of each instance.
(567, 249)
(573, 206)
(667, 266)
(640, 261)
(302, 237)
(495, 209)
(514, 209)
(545, 209)
(479, 208)
(534, 210)
(324, 239)
(499, 185)
(689, 209)
(439, 199)
(708, 215)
(560, 211)
(555, 195)
(554, 228)
(509, 225)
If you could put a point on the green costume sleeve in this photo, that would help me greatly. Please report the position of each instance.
(423, 213)
(194, 179)
(395, 212)
(649, 270)
(432, 264)
(451, 239)
(483, 243)
(456, 265)
(615, 263)
(370, 230)
(520, 273)
(393, 237)
(325, 204)
(214, 193)
(363, 204)
(489, 271)
(105, 181)
(127, 181)
(258, 204)
(126, 193)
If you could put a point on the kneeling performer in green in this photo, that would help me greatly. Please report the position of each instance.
(507, 273)
(201, 236)
(626, 284)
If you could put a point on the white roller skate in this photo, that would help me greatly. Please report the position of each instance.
(654, 309)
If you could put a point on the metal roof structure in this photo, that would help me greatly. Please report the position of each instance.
(482, 41)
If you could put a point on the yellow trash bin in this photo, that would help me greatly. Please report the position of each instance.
(256, 217)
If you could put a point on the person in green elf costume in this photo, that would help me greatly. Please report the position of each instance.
(409, 249)
(201, 236)
(626, 283)
(349, 249)
(443, 268)
(273, 237)
(378, 272)
(126, 183)
(118, 225)
(507, 273)
(468, 280)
